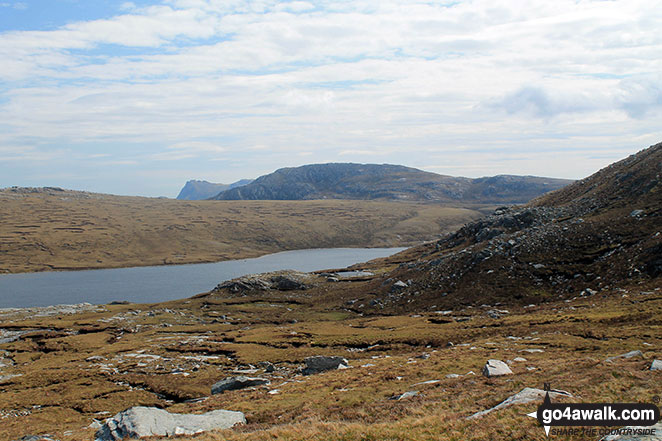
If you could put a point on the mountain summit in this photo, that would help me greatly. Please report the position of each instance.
(385, 181)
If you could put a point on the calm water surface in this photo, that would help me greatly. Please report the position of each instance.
(160, 283)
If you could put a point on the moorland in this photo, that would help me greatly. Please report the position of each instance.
(46, 229)
(565, 290)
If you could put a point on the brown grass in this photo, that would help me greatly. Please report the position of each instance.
(147, 348)
(58, 230)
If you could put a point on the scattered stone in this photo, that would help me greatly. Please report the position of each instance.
(140, 422)
(495, 368)
(427, 382)
(453, 376)
(524, 396)
(321, 363)
(235, 383)
(267, 366)
(636, 213)
(423, 356)
(532, 351)
(519, 359)
(627, 355)
(656, 365)
(411, 393)
(398, 286)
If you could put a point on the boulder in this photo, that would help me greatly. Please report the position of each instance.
(140, 422)
(235, 383)
(495, 368)
(409, 394)
(656, 365)
(526, 395)
(321, 363)
(630, 354)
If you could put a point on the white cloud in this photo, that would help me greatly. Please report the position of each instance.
(339, 80)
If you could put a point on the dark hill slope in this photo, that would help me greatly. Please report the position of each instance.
(600, 233)
(372, 181)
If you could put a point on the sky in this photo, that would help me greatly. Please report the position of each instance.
(136, 98)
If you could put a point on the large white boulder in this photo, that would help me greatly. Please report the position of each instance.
(495, 368)
(140, 422)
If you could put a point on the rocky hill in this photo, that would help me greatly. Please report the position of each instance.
(396, 182)
(195, 190)
(599, 233)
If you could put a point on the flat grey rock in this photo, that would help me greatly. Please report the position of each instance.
(140, 422)
(409, 394)
(236, 383)
(630, 354)
(656, 365)
(321, 363)
(495, 368)
(526, 395)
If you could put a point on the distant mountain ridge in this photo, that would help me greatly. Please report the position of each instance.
(390, 182)
(196, 190)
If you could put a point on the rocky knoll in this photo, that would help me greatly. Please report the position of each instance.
(372, 181)
(597, 234)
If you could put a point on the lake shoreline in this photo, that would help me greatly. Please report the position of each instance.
(248, 255)
(153, 284)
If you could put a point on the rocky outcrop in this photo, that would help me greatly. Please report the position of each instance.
(575, 242)
(235, 383)
(526, 395)
(281, 281)
(141, 422)
(321, 363)
(495, 368)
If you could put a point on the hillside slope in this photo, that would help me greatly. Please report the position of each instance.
(396, 182)
(600, 233)
(46, 229)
